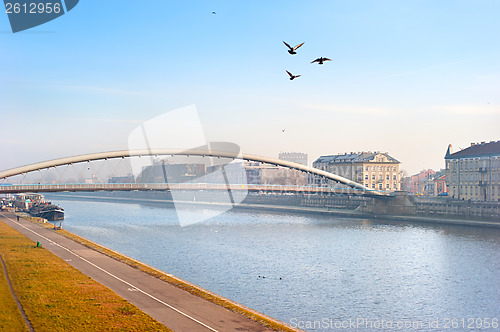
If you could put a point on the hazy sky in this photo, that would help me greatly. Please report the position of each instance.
(407, 77)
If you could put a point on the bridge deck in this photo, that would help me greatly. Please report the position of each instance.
(22, 188)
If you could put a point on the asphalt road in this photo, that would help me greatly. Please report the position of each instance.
(171, 306)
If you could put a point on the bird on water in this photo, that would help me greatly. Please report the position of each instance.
(321, 60)
(292, 77)
(292, 50)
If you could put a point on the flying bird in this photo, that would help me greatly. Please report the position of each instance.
(292, 50)
(321, 60)
(292, 77)
(213, 13)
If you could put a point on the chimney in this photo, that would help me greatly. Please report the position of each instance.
(449, 150)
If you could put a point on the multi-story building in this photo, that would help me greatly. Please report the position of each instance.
(419, 180)
(374, 170)
(433, 185)
(427, 183)
(260, 173)
(440, 187)
(474, 173)
(160, 171)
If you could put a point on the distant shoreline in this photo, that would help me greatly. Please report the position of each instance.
(343, 213)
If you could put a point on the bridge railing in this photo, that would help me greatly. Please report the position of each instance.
(76, 187)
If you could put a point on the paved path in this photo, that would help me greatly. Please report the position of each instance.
(171, 306)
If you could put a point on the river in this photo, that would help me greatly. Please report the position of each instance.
(315, 272)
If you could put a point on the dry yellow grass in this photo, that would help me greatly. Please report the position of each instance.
(10, 319)
(57, 297)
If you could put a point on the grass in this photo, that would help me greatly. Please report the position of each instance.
(182, 284)
(56, 296)
(10, 319)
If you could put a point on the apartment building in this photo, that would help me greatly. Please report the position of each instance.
(374, 170)
(474, 173)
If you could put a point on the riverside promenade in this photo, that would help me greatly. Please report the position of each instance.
(177, 309)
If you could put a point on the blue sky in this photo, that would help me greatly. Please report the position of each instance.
(407, 77)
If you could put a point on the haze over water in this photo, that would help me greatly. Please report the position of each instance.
(303, 269)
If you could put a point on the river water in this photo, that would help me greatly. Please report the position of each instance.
(315, 272)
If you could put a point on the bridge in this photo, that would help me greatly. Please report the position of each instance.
(354, 187)
(78, 187)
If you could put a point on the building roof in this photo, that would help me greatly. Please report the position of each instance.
(477, 150)
(354, 157)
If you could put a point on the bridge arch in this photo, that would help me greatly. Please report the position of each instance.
(194, 152)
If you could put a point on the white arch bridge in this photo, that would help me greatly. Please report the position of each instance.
(354, 187)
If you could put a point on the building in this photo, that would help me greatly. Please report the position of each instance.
(434, 184)
(163, 172)
(474, 173)
(122, 179)
(294, 157)
(427, 183)
(374, 170)
(260, 173)
(440, 187)
(418, 181)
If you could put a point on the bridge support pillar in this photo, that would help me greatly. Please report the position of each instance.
(399, 204)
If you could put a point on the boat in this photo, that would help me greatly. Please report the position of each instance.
(47, 211)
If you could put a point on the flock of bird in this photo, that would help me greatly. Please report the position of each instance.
(293, 50)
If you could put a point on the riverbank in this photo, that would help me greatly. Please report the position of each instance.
(57, 297)
(264, 322)
(345, 213)
(314, 266)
